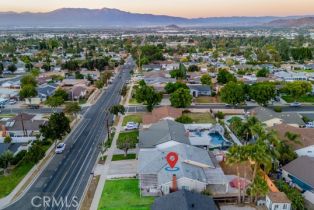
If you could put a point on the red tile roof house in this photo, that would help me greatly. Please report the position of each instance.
(306, 148)
(161, 113)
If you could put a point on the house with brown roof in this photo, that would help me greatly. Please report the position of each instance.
(277, 201)
(161, 113)
(306, 138)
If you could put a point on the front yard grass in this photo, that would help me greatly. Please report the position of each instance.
(123, 157)
(9, 182)
(200, 117)
(123, 194)
(306, 99)
(133, 101)
(207, 99)
(132, 118)
(131, 135)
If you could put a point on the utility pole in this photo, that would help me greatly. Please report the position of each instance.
(21, 116)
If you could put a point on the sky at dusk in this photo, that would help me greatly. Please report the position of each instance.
(183, 8)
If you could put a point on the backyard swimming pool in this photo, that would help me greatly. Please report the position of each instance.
(211, 139)
(217, 140)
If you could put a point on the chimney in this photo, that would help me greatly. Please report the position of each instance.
(174, 183)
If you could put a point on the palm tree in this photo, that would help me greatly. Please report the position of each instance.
(234, 158)
(293, 137)
(258, 188)
(6, 158)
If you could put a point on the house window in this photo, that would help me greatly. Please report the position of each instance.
(185, 188)
(276, 206)
(285, 206)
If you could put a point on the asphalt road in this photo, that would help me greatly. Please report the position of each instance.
(140, 108)
(66, 176)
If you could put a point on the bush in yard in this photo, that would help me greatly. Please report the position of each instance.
(277, 109)
(220, 115)
(18, 157)
(186, 111)
(7, 139)
(184, 119)
(35, 153)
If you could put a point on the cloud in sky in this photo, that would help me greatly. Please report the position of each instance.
(184, 8)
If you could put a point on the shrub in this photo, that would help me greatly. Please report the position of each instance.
(186, 111)
(220, 115)
(184, 119)
(18, 157)
(278, 109)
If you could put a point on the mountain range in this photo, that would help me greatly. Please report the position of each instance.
(109, 18)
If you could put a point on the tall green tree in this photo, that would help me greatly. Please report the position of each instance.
(224, 76)
(116, 109)
(72, 108)
(206, 80)
(181, 98)
(28, 91)
(297, 89)
(147, 95)
(6, 158)
(58, 126)
(262, 92)
(233, 93)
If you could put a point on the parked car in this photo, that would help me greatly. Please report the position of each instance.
(131, 126)
(12, 101)
(60, 148)
(309, 125)
(295, 104)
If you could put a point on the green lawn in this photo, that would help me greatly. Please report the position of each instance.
(123, 194)
(8, 183)
(132, 118)
(133, 101)
(207, 99)
(306, 99)
(201, 117)
(7, 115)
(122, 157)
(132, 135)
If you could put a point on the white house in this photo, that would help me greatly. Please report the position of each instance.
(277, 201)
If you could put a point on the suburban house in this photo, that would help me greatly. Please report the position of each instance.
(270, 117)
(200, 90)
(184, 200)
(77, 92)
(162, 132)
(161, 113)
(291, 76)
(306, 138)
(22, 125)
(170, 66)
(46, 90)
(295, 173)
(13, 147)
(151, 67)
(195, 169)
(277, 201)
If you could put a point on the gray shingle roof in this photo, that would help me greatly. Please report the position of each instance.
(153, 161)
(302, 168)
(184, 200)
(161, 132)
(200, 87)
(265, 114)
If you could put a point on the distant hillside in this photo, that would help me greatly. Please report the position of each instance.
(108, 18)
(299, 22)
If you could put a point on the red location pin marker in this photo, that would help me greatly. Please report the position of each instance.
(172, 159)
